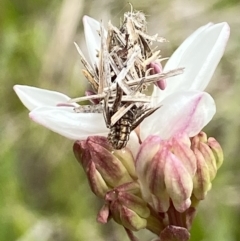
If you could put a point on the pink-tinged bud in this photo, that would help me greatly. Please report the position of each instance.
(181, 149)
(96, 182)
(126, 158)
(209, 156)
(134, 203)
(156, 68)
(178, 182)
(104, 170)
(89, 93)
(155, 181)
(127, 208)
(130, 187)
(125, 155)
(114, 207)
(217, 151)
(174, 233)
(209, 159)
(156, 222)
(103, 214)
(165, 170)
(161, 202)
(201, 181)
(131, 220)
(93, 101)
(200, 142)
(150, 168)
(201, 137)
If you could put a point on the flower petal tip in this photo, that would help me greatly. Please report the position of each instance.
(89, 22)
(34, 117)
(18, 88)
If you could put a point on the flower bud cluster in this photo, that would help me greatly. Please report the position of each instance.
(209, 158)
(159, 191)
(166, 171)
(176, 174)
(125, 205)
(104, 167)
(112, 177)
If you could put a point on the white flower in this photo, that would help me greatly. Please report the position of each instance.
(183, 107)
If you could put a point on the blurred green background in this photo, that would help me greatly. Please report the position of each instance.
(44, 195)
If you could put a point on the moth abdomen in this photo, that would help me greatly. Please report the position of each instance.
(120, 131)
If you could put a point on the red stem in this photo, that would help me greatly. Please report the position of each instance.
(130, 235)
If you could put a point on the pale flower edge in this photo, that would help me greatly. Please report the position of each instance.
(186, 111)
(199, 55)
(66, 122)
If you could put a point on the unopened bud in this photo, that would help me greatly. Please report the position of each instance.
(165, 172)
(93, 101)
(217, 151)
(156, 68)
(174, 233)
(156, 222)
(178, 183)
(209, 156)
(181, 148)
(201, 181)
(127, 208)
(131, 220)
(150, 168)
(104, 170)
(103, 214)
(209, 159)
(97, 183)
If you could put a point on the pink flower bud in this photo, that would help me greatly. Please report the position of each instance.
(156, 68)
(128, 209)
(209, 159)
(93, 101)
(131, 220)
(178, 182)
(174, 233)
(209, 156)
(103, 214)
(182, 150)
(104, 170)
(150, 168)
(201, 181)
(217, 151)
(166, 169)
(97, 184)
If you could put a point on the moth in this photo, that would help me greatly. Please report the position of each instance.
(121, 77)
(122, 118)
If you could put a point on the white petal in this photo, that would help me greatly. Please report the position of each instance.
(66, 122)
(183, 112)
(133, 143)
(93, 40)
(33, 97)
(199, 54)
(176, 57)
